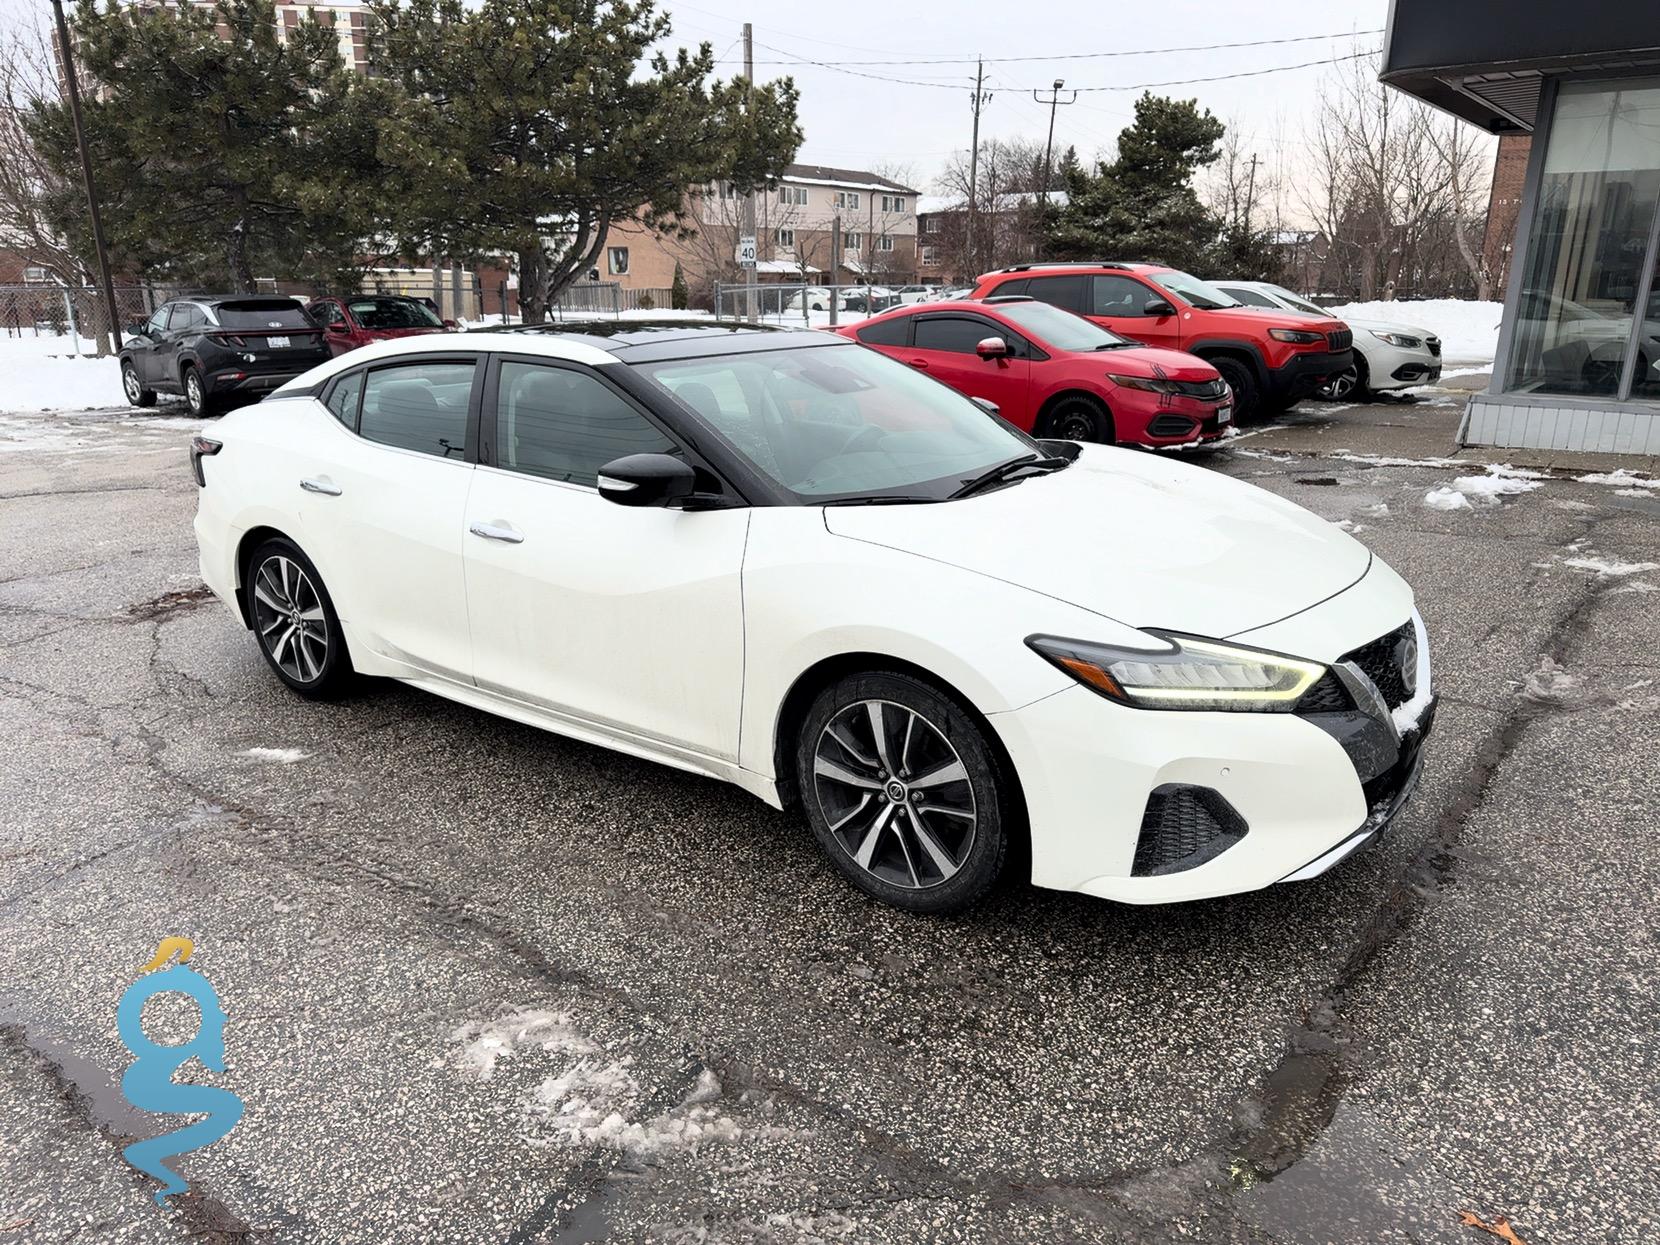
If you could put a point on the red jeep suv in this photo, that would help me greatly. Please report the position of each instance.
(1270, 359)
(1056, 375)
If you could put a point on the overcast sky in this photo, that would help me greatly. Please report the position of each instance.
(861, 122)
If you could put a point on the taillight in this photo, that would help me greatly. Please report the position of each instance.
(228, 339)
(200, 448)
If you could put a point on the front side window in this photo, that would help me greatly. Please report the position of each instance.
(840, 423)
(565, 425)
(157, 323)
(325, 313)
(1118, 296)
(1588, 248)
(1196, 293)
(954, 334)
(419, 406)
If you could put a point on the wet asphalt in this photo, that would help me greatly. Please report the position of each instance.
(485, 984)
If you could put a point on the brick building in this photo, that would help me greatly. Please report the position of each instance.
(1504, 205)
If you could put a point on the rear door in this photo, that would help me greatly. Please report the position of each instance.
(1121, 304)
(944, 348)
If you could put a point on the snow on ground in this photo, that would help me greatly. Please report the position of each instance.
(1620, 478)
(1606, 568)
(1467, 492)
(277, 756)
(45, 374)
(1469, 330)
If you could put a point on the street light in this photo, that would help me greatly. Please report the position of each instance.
(1053, 101)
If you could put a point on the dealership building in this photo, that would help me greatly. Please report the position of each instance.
(1578, 364)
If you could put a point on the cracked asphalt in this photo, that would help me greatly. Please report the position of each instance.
(434, 930)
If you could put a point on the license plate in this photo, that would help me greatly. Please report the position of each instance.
(276, 343)
(1224, 415)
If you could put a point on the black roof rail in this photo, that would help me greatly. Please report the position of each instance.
(1008, 298)
(1067, 263)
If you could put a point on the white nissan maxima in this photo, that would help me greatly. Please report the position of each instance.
(783, 560)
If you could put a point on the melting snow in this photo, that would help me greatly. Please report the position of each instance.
(1635, 492)
(1611, 569)
(1622, 478)
(483, 1043)
(277, 756)
(1446, 499)
(1549, 684)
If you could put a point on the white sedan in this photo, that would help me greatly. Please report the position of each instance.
(783, 560)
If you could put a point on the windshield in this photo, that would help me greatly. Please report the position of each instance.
(282, 313)
(1060, 329)
(838, 423)
(1200, 294)
(1299, 304)
(393, 313)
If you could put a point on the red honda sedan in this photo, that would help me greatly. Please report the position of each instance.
(1055, 374)
(348, 323)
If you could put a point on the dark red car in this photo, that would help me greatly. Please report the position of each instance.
(1055, 374)
(348, 323)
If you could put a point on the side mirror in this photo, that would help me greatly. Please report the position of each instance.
(987, 405)
(136, 330)
(992, 348)
(646, 480)
(1158, 307)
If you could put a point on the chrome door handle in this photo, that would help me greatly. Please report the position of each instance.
(321, 486)
(492, 531)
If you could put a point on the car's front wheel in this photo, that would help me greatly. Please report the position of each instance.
(1079, 419)
(1352, 385)
(1244, 385)
(133, 387)
(904, 792)
(294, 619)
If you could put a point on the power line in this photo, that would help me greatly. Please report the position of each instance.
(1080, 56)
(1249, 73)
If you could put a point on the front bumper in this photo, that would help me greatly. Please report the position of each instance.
(1303, 373)
(1292, 795)
(1395, 367)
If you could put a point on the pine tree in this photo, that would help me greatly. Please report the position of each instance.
(220, 146)
(532, 129)
(680, 297)
(1142, 205)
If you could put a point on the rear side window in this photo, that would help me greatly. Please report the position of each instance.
(1064, 292)
(268, 313)
(418, 406)
(894, 332)
(186, 315)
(1011, 288)
(343, 401)
(955, 334)
(1249, 297)
(566, 425)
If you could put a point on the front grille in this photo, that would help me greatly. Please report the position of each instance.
(1434, 344)
(1326, 696)
(1382, 666)
(1340, 339)
(1170, 426)
(1201, 388)
(1183, 828)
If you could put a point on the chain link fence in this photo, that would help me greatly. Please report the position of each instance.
(784, 303)
(37, 310)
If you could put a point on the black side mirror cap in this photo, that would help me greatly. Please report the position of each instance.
(1158, 307)
(647, 480)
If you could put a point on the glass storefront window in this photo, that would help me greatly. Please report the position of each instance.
(1591, 246)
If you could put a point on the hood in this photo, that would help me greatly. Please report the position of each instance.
(1145, 540)
(1141, 360)
(1391, 326)
(388, 334)
(1281, 319)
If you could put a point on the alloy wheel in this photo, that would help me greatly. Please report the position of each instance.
(1342, 385)
(895, 794)
(193, 390)
(288, 611)
(129, 382)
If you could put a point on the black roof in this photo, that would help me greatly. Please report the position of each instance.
(649, 341)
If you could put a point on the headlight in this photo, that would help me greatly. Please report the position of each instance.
(1149, 383)
(1191, 673)
(1403, 340)
(1300, 337)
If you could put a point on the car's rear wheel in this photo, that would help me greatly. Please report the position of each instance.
(195, 392)
(294, 619)
(904, 792)
(133, 387)
(1246, 398)
(1079, 419)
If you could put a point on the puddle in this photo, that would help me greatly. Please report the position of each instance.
(88, 1086)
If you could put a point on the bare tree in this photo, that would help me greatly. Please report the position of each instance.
(1009, 174)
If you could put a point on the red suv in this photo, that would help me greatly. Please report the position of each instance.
(1270, 359)
(1054, 374)
(348, 323)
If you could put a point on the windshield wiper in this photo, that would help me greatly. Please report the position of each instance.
(1004, 471)
(879, 499)
(1112, 345)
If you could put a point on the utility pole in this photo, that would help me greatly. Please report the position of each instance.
(978, 99)
(1054, 102)
(1250, 192)
(749, 199)
(835, 263)
(66, 54)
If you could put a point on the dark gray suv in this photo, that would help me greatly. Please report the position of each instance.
(212, 349)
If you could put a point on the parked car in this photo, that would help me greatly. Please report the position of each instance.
(914, 293)
(1388, 355)
(815, 298)
(1570, 347)
(348, 323)
(214, 349)
(787, 562)
(1054, 374)
(1270, 359)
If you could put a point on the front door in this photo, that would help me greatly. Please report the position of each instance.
(1121, 304)
(944, 348)
(383, 510)
(146, 349)
(627, 618)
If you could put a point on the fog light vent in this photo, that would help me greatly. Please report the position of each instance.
(1184, 827)
(1171, 426)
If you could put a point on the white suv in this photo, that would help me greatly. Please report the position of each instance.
(1387, 355)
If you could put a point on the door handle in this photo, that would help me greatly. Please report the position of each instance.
(326, 487)
(495, 531)
(920, 365)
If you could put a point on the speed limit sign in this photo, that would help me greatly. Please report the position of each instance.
(746, 251)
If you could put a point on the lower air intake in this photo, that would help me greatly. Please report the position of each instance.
(1183, 828)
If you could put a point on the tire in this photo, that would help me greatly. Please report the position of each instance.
(952, 835)
(196, 398)
(285, 591)
(1246, 396)
(134, 388)
(1354, 385)
(1079, 418)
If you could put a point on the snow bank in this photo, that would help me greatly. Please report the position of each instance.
(44, 374)
(1469, 330)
